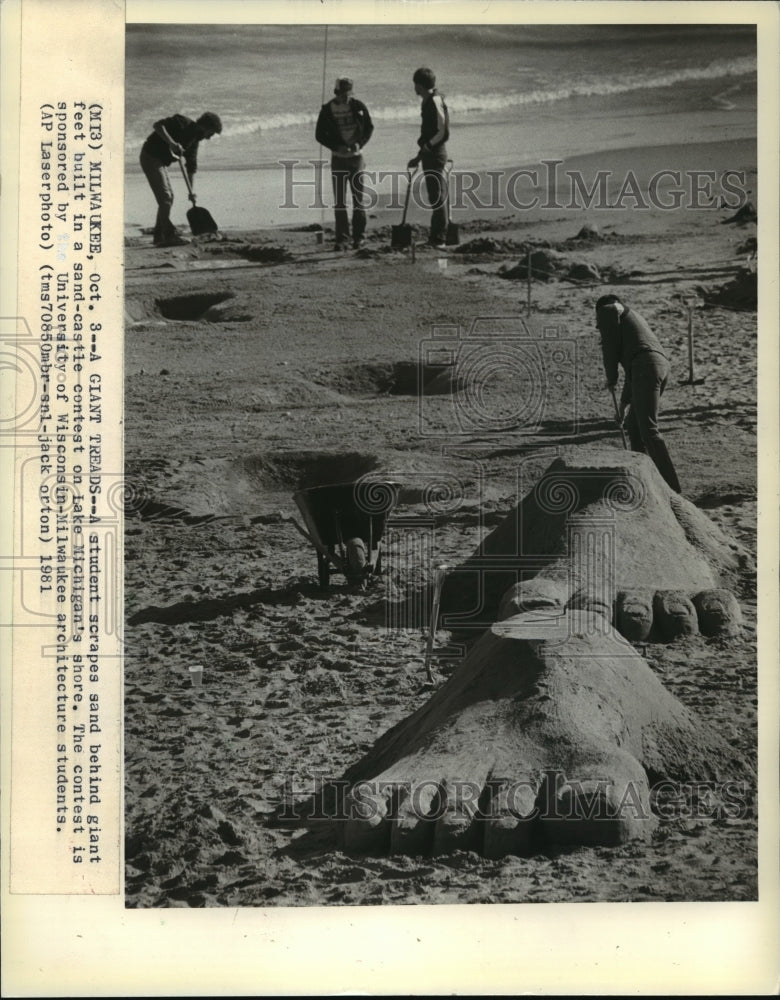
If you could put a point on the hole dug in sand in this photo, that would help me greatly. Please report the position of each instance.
(191, 307)
(196, 490)
(298, 470)
(554, 728)
(401, 378)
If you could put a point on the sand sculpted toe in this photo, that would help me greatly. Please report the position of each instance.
(554, 728)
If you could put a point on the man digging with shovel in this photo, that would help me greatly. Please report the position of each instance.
(626, 338)
(172, 138)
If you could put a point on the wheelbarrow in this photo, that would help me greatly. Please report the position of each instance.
(345, 523)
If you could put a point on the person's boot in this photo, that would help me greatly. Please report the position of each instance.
(660, 455)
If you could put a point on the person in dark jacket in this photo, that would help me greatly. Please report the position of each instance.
(172, 138)
(626, 339)
(344, 127)
(434, 133)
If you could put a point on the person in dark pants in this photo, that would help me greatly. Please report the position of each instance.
(628, 340)
(171, 139)
(344, 127)
(434, 133)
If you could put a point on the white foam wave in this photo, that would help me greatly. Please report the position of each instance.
(464, 104)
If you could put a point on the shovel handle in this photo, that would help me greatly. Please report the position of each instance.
(409, 175)
(448, 171)
(617, 417)
(186, 177)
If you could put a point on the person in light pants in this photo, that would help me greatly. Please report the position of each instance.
(173, 138)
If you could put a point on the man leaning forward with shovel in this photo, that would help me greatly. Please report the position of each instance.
(627, 339)
(172, 138)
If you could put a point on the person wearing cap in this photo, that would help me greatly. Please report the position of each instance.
(344, 127)
(434, 133)
(626, 339)
(172, 138)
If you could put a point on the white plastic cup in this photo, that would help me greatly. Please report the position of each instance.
(196, 675)
(442, 263)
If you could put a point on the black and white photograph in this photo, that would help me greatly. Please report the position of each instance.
(389, 424)
(440, 440)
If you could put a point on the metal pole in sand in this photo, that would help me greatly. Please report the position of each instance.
(441, 572)
(690, 343)
(321, 234)
(691, 380)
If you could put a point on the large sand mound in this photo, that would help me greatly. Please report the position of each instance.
(531, 740)
(553, 727)
(597, 523)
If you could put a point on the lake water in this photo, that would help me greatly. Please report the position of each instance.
(517, 94)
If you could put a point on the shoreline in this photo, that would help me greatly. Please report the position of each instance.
(248, 202)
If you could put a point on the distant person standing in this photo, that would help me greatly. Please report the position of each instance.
(344, 127)
(172, 138)
(434, 133)
(627, 339)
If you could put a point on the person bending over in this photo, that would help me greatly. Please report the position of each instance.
(626, 339)
(171, 139)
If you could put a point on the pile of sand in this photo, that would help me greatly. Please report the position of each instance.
(531, 740)
(597, 521)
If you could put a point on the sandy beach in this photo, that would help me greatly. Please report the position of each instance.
(259, 362)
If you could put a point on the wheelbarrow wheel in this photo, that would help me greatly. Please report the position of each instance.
(323, 570)
(356, 560)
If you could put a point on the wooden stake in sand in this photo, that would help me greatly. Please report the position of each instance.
(528, 282)
(691, 380)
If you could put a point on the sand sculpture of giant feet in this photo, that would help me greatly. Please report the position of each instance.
(601, 531)
(554, 728)
(545, 733)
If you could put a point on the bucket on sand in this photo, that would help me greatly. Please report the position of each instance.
(196, 674)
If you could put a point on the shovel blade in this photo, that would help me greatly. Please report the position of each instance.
(200, 221)
(401, 236)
